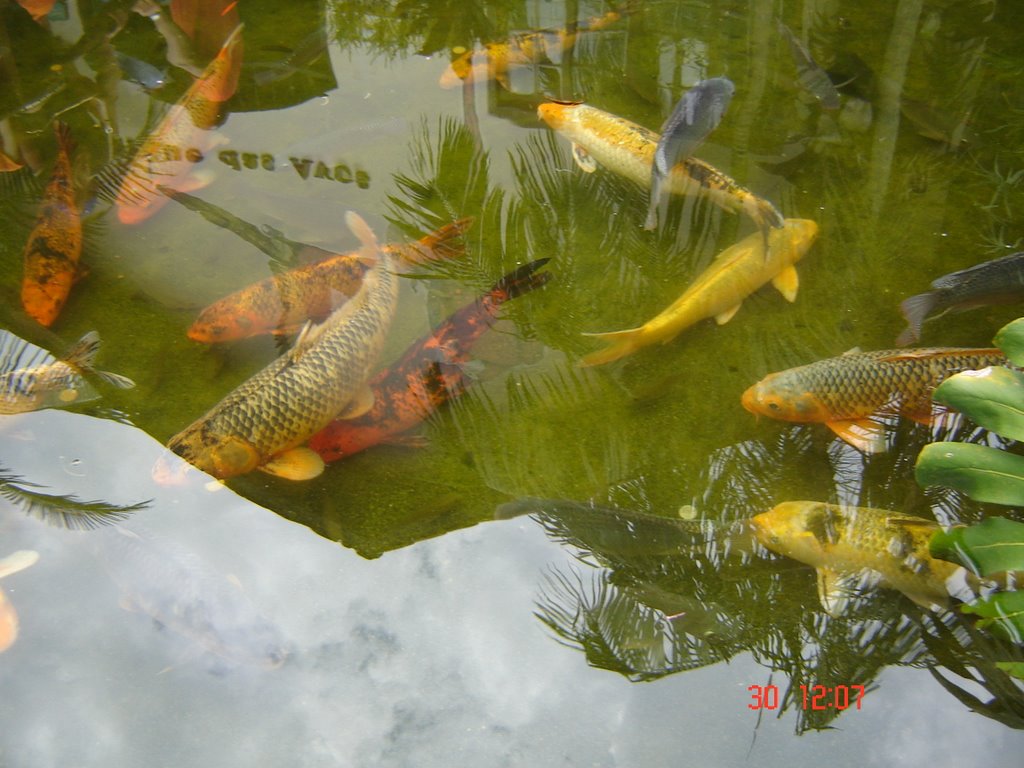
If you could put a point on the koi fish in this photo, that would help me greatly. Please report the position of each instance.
(499, 58)
(162, 160)
(858, 548)
(696, 114)
(8, 164)
(811, 77)
(263, 421)
(17, 561)
(720, 290)
(31, 378)
(53, 250)
(1000, 281)
(428, 375)
(628, 149)
(846, 392)
(282, 303)
(180, 591)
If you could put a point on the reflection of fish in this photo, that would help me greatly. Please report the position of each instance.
(939, 124)
(697, 114)
(429, 374)
(309, 49)
(164, 157)
(812, 77)
(628, 149)
(13, 563)
(282, 303)
(299, 393)
(519, 50)
(1000, 281)
(855, 548)
(845, 392)
(55, 245)
(170, 583)
(718, 292)
(31, 379)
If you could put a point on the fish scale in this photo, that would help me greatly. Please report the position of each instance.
(299, 392)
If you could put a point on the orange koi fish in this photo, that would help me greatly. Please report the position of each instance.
(428, 375)
(55, 245)
(184, 133)
(8, 164)
(13, 563)
(281, 304)
(847, 392)
(518, 51)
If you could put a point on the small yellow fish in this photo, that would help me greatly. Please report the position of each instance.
(737, 272)
(13, 563)
(628, 149)
(853, 548)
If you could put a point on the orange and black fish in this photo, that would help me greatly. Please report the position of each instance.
(55, 245)
(283, 303)
(848, 393)
(428, 375)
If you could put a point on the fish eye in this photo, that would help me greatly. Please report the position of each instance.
(772, 405)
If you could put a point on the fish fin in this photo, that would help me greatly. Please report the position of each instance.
(296, 464)
(863, 434)
(82, 354)
(18, 561)
(408, 441)
(915, 309)
(622, 343)
(787, 282)
(835, 590)
(115, 379)
(724, 317)
(651, 222)
(929, 602)
(583, 159)
(370, 251)
(439, 244)
(851, 351)
(361, 402)
(81, 272)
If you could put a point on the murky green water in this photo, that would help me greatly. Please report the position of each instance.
(418, 642)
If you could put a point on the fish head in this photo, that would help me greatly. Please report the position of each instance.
(218, 455)
(779, 396)
(803, 530)
(459, 69)
(214, 325)
(555, 114)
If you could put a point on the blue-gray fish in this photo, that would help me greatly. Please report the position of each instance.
(811, 77)
(141, 72)
(1000, 281)
(696, 114)
(172, 584)
(31, 378)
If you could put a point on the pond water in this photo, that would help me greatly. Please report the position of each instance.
(518, 588)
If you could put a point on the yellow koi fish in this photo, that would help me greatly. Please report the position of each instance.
(737, 272)
(164, 158)
(858, 548)
(628, 149)
(13, 563)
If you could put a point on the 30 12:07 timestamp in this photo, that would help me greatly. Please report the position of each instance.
(814, 697)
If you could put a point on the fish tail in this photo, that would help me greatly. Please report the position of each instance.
(622, 343)
(915, 309)
(440, 244)
(520, 281)
(370, 251)
(82, 357)
(763, 213)
(64, 137)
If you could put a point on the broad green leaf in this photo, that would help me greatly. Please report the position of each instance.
(992, 397)
(984, 474)
(992, 546)
(1010, 339)
(1002, 613)
(1012, 668)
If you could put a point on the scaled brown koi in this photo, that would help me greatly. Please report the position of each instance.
(282, 303)
(53, 250)
(428, 375)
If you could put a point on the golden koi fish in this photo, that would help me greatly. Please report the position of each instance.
(55, 245)
(601, 138)
(845, 392)
(38, 380)
(264, 420)
(854, 548)
(163, 157)
(735, 274)
(13, 563)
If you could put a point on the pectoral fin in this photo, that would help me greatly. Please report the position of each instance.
(296, 464)
(787, 282)
(583, 159)
(724, 317)
(863, 434)
(360, 403)
(835, 590)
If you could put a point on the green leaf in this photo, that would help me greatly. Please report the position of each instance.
(992, 397)
(1010, 339)
(1012, 668)
(992, 546)
(984, 474)
(1002, 614)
